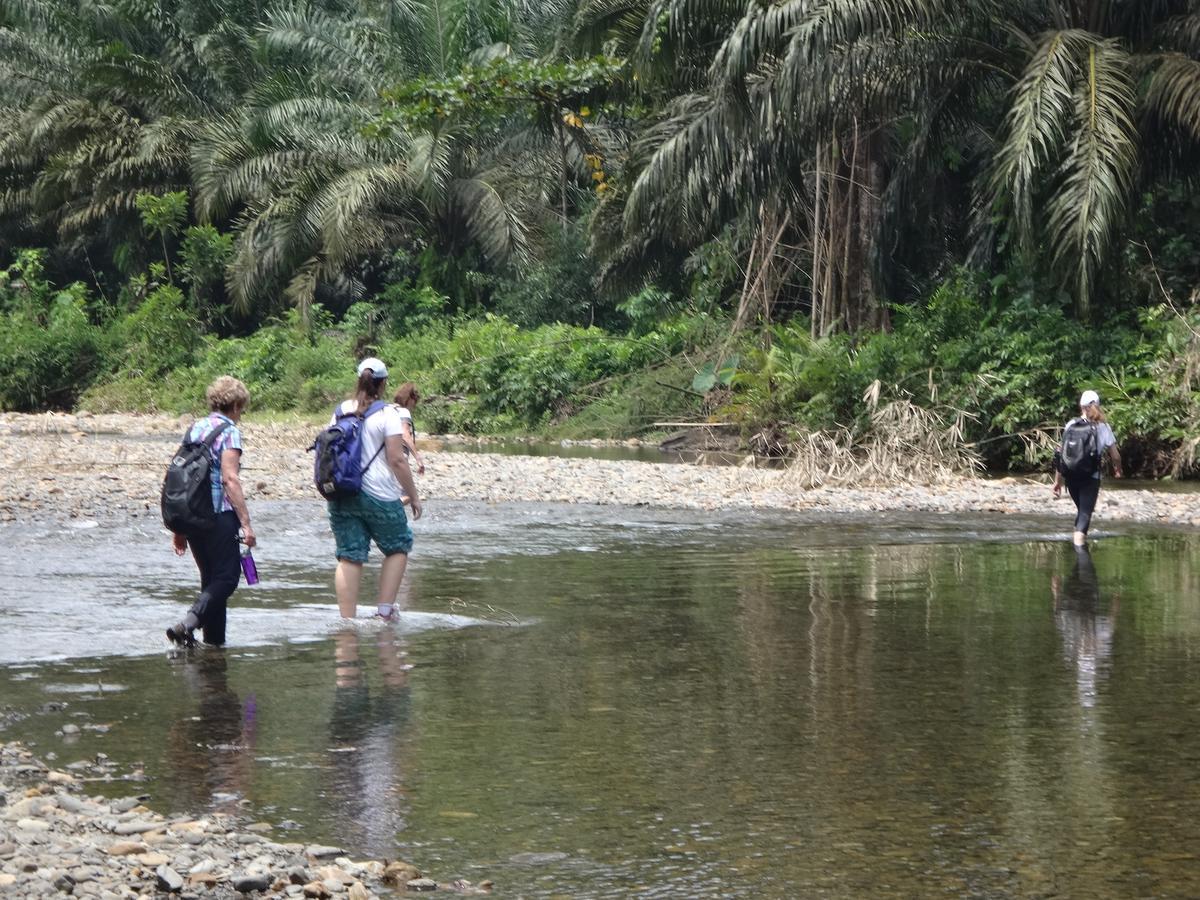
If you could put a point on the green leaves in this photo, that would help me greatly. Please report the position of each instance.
(715, 373)
(493, 90)
(1071, 126)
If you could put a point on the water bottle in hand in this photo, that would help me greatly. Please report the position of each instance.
(249, 569)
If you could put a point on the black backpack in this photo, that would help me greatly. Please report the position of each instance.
(187, 505)
(1080, 453)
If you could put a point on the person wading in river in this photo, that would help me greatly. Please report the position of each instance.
(216, 549)
(1086, 440)
(377, 511)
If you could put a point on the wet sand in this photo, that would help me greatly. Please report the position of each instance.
(62, 466)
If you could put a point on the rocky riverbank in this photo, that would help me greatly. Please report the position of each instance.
(56, 841)
(59, 466)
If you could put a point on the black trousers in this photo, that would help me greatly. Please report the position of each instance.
(220, 564)
(1084, 491)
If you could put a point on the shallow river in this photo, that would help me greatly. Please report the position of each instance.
(592, 701)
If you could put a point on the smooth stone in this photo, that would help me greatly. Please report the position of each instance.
(334, 885)
(247, 883)
(137, 826)
(398, 873)
(153, 859)
(333, 873)
(7, 879)
(318, 851)
(316, 890)
(358, 892)
(168, 879)
(33, 825)
(73, 804)
(422, 884)
(126, 848)
(299, 875)
(70, 728)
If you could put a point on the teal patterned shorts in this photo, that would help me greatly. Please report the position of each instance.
(358, 520)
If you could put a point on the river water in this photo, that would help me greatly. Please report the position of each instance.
(602, 701)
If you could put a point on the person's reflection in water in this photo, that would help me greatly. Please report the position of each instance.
(211, 752)
(364, 732)
(1087, 636)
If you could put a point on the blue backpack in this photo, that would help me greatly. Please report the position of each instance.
(337, 469)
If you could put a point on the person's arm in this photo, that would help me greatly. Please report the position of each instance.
(394, 451)
(1114, 457)
(232, 482)
(179, 543)
(1058, 479)
(410, 441)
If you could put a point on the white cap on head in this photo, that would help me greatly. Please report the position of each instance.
(375, 365)
(1088, 398)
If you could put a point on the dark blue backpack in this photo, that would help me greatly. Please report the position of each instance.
(337, 469)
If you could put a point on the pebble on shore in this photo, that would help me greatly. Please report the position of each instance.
(54, 841)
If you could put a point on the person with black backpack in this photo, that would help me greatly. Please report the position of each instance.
(361, 469)
(1077, 461)
(204, 507)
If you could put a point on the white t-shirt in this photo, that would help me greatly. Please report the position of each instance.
(406, 415)
(378, 480)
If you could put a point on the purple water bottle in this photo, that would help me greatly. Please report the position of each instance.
(249, 569)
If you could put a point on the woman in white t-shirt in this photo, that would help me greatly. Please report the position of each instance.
(377, 511)
(406, 398)
(1084, 485)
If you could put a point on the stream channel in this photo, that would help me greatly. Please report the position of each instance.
(607, 701)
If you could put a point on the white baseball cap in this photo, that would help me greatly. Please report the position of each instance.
(1088, 398)
(375, 365)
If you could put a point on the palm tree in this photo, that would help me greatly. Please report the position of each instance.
(102, 104)
(315, 189)
(836, 109)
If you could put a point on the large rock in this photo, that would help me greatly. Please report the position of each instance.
(168, 879)
(246, 884)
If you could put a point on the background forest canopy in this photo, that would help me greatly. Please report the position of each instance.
(586, 216)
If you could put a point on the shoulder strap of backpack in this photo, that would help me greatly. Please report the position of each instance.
(214, 434)
(371, 410)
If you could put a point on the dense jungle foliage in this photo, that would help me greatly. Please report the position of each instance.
(588, 217)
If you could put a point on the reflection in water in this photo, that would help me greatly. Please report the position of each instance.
(210, 754)
(1086, 634)
(366, 786)
(718, 711)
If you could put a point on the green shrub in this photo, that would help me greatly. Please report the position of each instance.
(49, 348)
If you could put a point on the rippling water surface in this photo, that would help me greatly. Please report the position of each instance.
(591, 701)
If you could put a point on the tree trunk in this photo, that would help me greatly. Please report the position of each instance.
(562, 172)
(815, 278)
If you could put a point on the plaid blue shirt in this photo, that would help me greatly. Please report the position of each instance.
(229, 439)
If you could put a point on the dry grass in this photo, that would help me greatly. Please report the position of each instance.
(902, 444)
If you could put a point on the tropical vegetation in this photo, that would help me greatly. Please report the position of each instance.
(601, 215)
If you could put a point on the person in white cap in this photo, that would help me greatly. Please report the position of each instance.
(1077, 461)
(376, 513)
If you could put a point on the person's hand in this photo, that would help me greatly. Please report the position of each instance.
(248, 538)
(179, 544)
(1057, 490)
(1118, 473)
(416, 508)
